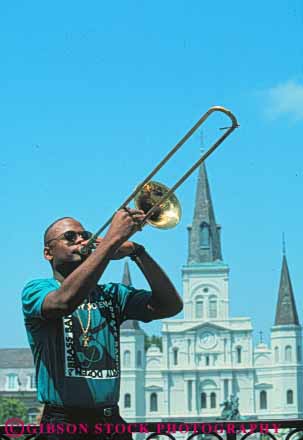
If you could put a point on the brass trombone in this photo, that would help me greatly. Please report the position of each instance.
(150, 195)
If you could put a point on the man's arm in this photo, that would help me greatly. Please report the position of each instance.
(78, 285)
(165, 301)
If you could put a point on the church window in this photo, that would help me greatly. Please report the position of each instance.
(190, 394)
(139, 358)
(276, 354)
(175, 355)
(289, 397)
(213, 307)
(205, 289)
(31, 382)
(12, 381)
(126, 359)
(203, 400)
(288, 353)
(207, 360)
(127, 401)
(239, 355)
(263, 400)
(153, 402)
(225, 389)
(213, 400)
(199, 307)
(204, 235)
(225, 349)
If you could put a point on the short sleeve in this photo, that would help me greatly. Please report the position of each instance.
(133, 303)
(33, 296)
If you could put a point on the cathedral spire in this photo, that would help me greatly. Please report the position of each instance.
(126, 279)
(204, 233)
(286, 312)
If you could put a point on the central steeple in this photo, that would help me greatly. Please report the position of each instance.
(204, 233)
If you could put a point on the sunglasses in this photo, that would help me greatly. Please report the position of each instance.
(71, 236)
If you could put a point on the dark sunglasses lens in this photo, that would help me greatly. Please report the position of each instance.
(86, 235)
(70, 236)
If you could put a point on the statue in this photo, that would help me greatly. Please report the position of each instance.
(230, 409)
(225, 413)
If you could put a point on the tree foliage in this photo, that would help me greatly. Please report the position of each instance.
(10, 407)
(152, 340)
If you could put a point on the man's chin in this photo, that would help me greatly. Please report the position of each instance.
(69, 266)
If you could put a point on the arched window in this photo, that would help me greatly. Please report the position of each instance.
(207, 360)
(139, 358)
(276, 354)
(263, 400)
(239, 355)
(153, 402)
(126, 359)
(127, 401)
(288, 353)
(289, 397)
(204, 235)
(175, 356)
(213, 403)
(212, 307)
(32, 415)
(199, 307)
(203, 400)
(12, 381)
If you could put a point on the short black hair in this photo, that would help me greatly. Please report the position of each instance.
(50, 227)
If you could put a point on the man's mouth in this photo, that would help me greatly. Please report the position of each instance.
(78, 252)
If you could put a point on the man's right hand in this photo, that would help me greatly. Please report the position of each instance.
(125, 223)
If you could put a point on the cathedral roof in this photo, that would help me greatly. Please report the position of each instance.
(130, 324)
(286, 312)
(262, 347)
(204, 233)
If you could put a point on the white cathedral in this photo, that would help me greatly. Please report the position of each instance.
(207, 355)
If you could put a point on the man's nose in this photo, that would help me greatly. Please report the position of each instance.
(79, 238)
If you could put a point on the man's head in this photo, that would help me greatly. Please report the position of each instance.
(62, 241)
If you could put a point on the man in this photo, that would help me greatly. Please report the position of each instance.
(73, 323)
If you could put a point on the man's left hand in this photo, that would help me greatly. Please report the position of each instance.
(124, 250)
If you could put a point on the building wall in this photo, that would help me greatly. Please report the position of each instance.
(19, 383)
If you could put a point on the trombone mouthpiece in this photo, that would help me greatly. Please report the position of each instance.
(84, 250)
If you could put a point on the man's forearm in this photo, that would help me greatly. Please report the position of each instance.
(78, 284)
(84, 279)
(165, 299)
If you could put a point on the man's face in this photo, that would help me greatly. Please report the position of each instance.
(59, 251)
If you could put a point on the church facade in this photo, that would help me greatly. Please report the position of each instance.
(209, 356)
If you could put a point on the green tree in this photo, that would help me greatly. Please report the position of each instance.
(150, 340)
(10, 407)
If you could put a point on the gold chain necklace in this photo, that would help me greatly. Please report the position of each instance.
(86, 337)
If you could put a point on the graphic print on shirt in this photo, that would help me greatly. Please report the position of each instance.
(100, 358)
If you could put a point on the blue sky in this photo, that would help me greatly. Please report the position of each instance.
(93, 94)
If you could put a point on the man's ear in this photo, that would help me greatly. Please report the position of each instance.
(48, 253)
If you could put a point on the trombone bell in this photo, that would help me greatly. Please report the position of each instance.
(168, 214)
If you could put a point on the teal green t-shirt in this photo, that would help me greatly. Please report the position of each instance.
(68, 373)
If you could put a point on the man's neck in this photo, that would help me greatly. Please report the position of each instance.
(58, 276)
(62, 272)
